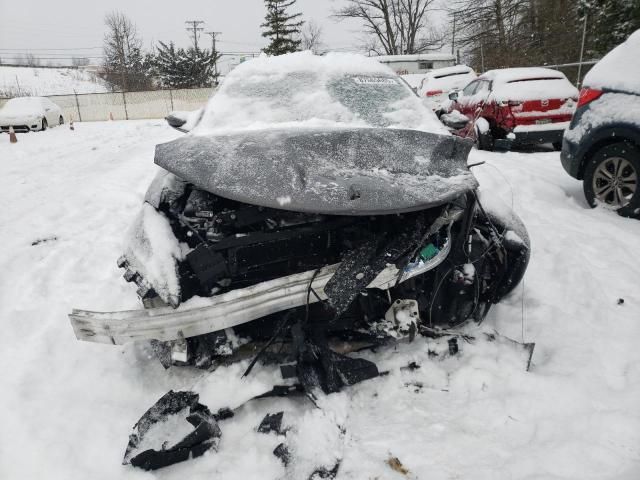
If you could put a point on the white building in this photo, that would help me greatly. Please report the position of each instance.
(418, 63)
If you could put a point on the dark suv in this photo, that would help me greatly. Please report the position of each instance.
(602, 145)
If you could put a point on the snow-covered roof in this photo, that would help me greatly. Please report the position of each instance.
(506, 75)
(415, 57)
(522, 84)
(23, 106)
(619, 69)
(441, 72)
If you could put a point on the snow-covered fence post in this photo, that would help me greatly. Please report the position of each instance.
(77, 106)
(124, 102)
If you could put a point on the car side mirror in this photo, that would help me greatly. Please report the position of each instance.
(184, 121)
(453, 96)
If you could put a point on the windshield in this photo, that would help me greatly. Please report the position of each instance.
(328, 91)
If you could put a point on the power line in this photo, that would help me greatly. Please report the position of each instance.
(195, 28)
(27, 50)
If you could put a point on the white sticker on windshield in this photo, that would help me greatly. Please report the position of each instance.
(374, 80)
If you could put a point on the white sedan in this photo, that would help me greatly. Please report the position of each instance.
(437, 84)
(25, 114)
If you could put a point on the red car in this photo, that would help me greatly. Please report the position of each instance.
(515, 106)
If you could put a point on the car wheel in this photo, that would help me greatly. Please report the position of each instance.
(61, 120)
(611, 178)
(44, 124)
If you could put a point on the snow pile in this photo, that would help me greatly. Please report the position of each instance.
(21, 81)
(68, 407)
(304, 90)
(619, 69)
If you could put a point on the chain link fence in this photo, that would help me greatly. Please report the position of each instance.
(88, 107)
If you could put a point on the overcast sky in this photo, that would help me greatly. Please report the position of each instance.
(54, 30)
(43, 25)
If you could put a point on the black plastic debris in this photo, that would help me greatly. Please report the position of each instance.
(204, 436)
(43, 240)
(324, 473)
(453, 346)
(282, 452)
(272, 422)
(330, 371)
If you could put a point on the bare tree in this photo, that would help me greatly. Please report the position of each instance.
(31, 60)
(494, 31)
(124, 61)
(311, 36)
(398, 26)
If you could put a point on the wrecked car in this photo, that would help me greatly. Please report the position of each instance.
(315, 208)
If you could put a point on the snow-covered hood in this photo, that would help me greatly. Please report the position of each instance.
(342, 171)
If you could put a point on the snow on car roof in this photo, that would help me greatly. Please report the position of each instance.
(507, 75)
(415, 57)
(619, 69)
(23, 105)
(302, 90)
(443, 72)
(522, 84)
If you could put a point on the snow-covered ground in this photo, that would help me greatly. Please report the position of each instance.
(67, 408)
(18, 81)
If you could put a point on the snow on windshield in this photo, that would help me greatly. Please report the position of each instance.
(304, 90)
(23, 106)
(619, 69)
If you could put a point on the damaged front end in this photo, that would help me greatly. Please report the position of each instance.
(224, 279)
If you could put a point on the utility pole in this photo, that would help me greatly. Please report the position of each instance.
(194, 26)
(584, 34)
(453, 38)
(214, 52)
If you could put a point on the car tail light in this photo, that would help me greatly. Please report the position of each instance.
(433, 93)
(588, 95)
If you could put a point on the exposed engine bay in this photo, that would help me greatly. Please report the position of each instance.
(449, 264)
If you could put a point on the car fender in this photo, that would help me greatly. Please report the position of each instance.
(601, 136)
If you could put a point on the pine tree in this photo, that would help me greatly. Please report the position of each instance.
(610, 22)
(180, 68)
(282, 29)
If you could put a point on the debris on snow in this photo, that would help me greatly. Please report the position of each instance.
(161, 438)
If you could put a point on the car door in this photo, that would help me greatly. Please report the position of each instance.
(465, 102)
